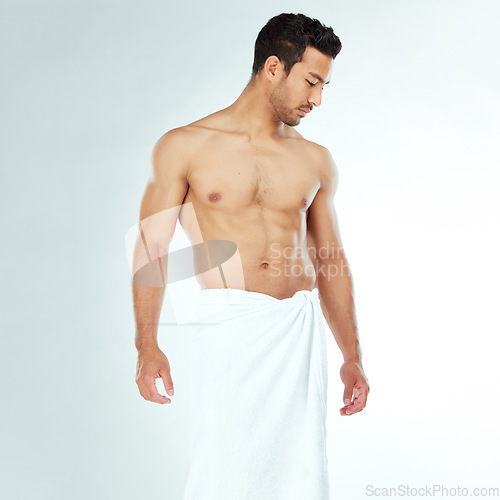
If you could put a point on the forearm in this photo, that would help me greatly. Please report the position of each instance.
(149, 278)
(336, 289)
(147, 308)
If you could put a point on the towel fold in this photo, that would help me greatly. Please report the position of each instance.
(257, 400)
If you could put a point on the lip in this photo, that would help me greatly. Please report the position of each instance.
(304, 111)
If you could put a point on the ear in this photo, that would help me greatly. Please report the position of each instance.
(273, 68)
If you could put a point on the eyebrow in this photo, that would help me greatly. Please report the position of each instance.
(318, 77)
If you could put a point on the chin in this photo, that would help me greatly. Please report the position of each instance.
(290, 122)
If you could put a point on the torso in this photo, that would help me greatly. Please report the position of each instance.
(257, 196)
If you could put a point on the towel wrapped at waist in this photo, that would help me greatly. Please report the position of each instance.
(258, 394)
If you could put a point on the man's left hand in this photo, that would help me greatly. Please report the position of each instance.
(356, 387)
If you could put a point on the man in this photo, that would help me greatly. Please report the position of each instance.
(250, 178)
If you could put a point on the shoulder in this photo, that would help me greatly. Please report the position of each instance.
(326, 166)
(318, 153)
(177, 140)
(320, 157)
(192, 136)
(174, 150)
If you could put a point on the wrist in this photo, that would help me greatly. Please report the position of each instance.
(145, 344)
(352, 359)
(352, 353)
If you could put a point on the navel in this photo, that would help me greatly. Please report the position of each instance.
(304, 201)
(265, 265)
(214, 196)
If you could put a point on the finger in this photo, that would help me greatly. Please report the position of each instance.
(167, 382)
(149, 391)
(350, 403)
(345, 408)
(159, 398)
(154, 395)
(358, 406)
(354, 409)
(348, 393)
(343, 412)
(361, 398)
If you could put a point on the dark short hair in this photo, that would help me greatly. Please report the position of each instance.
(286, 36)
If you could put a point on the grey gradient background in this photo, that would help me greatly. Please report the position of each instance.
(412, 120)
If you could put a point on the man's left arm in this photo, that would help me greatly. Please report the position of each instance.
(335, 284)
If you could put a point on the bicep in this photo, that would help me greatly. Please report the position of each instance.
(323, 232)
(165, 192)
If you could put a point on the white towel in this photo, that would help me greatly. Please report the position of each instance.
(258, 393)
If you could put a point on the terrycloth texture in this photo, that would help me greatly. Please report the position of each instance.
(258, 392)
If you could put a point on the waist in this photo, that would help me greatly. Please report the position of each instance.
(207, 293)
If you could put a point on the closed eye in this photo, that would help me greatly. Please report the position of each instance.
(313, 84)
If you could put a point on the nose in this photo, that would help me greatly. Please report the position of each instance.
(315, 98)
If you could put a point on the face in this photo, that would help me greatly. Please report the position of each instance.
(302, 88)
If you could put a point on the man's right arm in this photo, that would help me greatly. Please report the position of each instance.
(165, 192)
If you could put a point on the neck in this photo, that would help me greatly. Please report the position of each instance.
(254, 112)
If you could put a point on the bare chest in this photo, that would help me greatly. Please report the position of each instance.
(230, 176)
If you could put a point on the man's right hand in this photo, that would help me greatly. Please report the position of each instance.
(153, 364)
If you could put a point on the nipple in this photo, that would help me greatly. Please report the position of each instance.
(214, 196)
